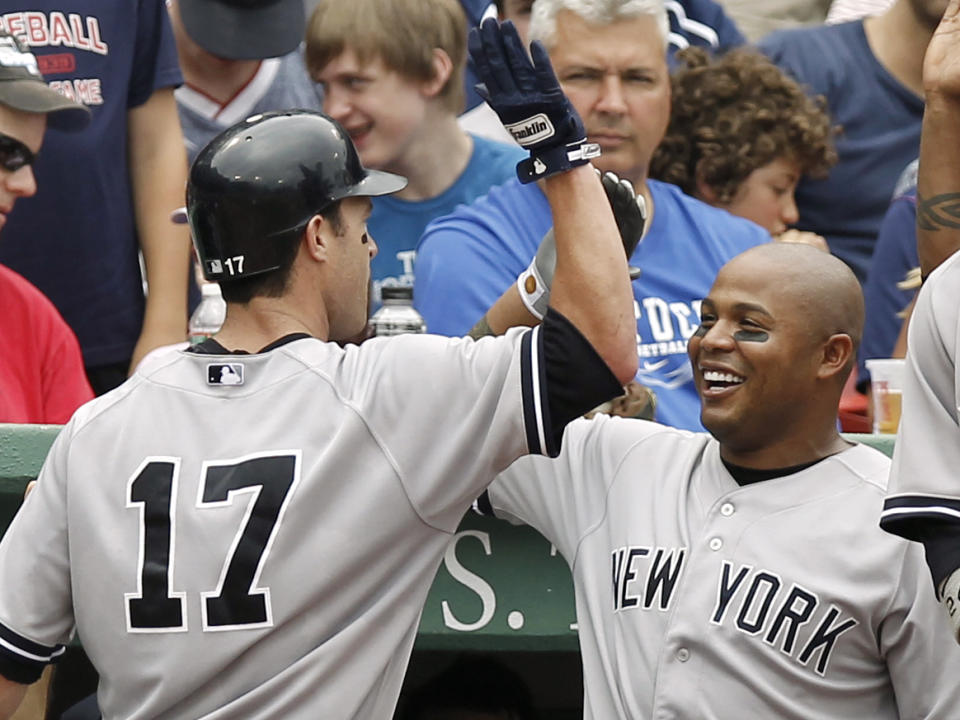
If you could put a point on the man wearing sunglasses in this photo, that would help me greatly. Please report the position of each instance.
(41, 370)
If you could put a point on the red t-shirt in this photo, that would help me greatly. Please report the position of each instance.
(42, 379)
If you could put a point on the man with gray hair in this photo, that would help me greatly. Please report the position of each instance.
(609, 56)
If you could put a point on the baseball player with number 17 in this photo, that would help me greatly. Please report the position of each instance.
(262, 548)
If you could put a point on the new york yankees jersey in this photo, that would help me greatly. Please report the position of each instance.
(699, 598)
(254, 536)
(924, 497)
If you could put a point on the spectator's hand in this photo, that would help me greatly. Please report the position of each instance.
(630, 212)
(941, 65)
(637, 402)
(29, 488)
(803, 237)
(529, 101)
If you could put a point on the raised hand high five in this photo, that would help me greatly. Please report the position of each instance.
(528, 98)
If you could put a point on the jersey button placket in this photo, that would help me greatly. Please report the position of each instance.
(726, 510)
(683, 654)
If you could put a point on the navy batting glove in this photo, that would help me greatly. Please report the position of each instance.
(527, 97)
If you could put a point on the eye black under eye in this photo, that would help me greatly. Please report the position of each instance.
(751, 334)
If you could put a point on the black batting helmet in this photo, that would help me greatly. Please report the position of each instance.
(260, 181)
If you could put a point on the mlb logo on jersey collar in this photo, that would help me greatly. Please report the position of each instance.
(225, 374)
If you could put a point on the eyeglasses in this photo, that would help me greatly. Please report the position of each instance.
(14, 154)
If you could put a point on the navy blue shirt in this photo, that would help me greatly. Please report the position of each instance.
(76, 238)
(880, 120)
(895, 255)
(700, 23)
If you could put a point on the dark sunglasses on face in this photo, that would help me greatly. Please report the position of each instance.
(14, 154)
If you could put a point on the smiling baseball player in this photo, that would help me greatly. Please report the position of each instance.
(743, 575)
(250, 529)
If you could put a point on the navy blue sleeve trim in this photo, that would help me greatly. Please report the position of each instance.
(576, 378)
(562, 377)
(531, 387)
(931, 520)
(908, 515)
(22, 660)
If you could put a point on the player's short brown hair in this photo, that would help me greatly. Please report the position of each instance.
(275, 282)
(402, 33)
(733, 114)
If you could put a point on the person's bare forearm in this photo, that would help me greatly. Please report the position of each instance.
(591, 283)
(158, 171)
(938, 183)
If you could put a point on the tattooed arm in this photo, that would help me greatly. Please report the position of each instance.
(938, 184)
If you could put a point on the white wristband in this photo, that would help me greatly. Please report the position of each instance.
(533, 291)
(950, 599)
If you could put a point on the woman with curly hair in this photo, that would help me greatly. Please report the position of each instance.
(741, 135)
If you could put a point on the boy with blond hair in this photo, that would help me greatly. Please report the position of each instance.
(392, 74)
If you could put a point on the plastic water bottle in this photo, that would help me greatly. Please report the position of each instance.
(209, 315)
(397, 315)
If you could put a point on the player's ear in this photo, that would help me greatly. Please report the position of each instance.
(837, 353)
(317, 236)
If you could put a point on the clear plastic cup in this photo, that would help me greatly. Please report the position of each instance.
(886, 388)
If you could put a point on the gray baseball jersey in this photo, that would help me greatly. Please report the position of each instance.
(254, 536)
(699, 598)
(924, 497)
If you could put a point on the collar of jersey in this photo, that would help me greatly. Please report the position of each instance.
(748, 476)
(212, 347)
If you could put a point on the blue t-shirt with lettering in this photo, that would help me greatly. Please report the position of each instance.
(467, 259)
(76, 239)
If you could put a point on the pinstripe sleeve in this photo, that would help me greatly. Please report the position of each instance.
(923, 502)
